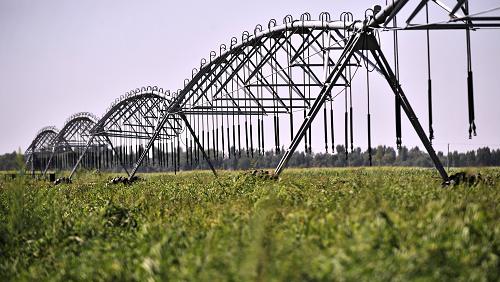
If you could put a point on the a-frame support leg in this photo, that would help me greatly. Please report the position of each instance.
(49, 162)
(156, 133)
(183, 117)
(81, 156)
(405, 104)
(359, 41)
(87, 148)
(119, 157)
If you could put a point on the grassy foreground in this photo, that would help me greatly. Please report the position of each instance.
(313, 224)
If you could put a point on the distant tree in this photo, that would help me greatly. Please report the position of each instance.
(340, 161)
(355, 158)
(379, 154)
(483, 157)
(389, 156)
(402, 156)
(455, 159)
(8, 161)
(470, 158)
(495, 155)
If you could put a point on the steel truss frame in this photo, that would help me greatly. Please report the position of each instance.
(71, 141)
(38, 151)
(129, 120)
(211, 91)
(276, 78)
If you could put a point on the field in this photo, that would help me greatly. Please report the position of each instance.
(364, 224)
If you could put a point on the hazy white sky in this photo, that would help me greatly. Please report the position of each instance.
(59, 57)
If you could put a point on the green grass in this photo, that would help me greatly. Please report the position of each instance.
(359, 224)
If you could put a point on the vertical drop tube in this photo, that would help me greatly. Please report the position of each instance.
(368, 116)
(187, 150)
(346, 128)
(470, 84)
(262, 134)
(331, 124)
(398, 120)
(369, 139)
(214, 138)
(470, 91)
(208, 136)
(396, 86)
(325, 126)
(178, 154)
(351, 126)
(429, 81)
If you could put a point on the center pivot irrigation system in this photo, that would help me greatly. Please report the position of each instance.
(278, 79)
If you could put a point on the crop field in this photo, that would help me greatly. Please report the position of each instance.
(363, 224)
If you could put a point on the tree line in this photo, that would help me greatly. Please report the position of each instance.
(381, 156)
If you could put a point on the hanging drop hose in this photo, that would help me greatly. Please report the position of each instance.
(368, 115)
(222, 133)
(325, 127)
(346, 128)
(208, 133)
(190, 145)
(290, 94)
(247, 147)
(397, 99)
(429, 81)
(470, 85)
(351, 126)
(239, 121)
(326, 57)
(273, 82)
(214, 137)
(258, 89)
(160, 152)
(262, 134)
(202, 129)
(305, 114)
(173, 156)
(309, 93)
(166, 153)
(217, 131)
(178, 153)
(331, 123)
(345, 17)
(187, 150)
(305, 104)
(228, 131)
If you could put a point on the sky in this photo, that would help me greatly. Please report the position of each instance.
(60, 57)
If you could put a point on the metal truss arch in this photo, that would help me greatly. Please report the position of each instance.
(38, 152)
(71, 141)
(263, 81)
(128, 123)
(135, 114)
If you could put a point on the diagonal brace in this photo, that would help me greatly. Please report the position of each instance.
(343, 60)
(183, 117)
